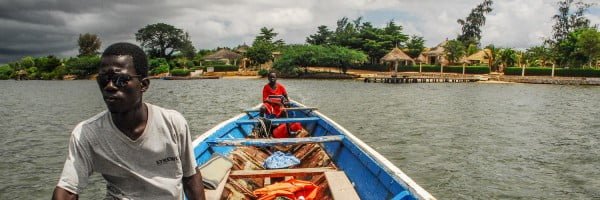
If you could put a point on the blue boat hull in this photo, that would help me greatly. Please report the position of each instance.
(373, 176)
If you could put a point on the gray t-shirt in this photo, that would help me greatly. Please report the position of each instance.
(150, 167)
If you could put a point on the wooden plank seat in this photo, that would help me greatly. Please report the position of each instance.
(273, 141)
(280, 120)
(279, 172)
(286, 109)
(340, 186)
(216, 193)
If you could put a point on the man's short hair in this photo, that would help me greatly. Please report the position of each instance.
(140, 61)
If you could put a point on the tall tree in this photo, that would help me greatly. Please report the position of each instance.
(268, 35)
(490, 54)
(471, 26)
(88, 44)
(322, 36)
(566, 22)
(187, 49)
(415, 46)
(162, 40)
(263, 46)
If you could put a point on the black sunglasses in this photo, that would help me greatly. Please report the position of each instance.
(119, 80)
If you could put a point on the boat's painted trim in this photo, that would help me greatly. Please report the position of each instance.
(274, 141)
(407, 182)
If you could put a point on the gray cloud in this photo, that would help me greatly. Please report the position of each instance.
(44, 27)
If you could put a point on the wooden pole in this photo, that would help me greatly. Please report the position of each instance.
(395, 69)
(553, 70)
(464, 68)
(420, 67)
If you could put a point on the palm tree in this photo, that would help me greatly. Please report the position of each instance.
(491, 56)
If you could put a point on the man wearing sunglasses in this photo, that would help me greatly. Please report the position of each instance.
(143, 151)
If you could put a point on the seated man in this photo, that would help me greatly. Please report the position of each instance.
(274, 98)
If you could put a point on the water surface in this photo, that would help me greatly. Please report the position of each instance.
(458, 141)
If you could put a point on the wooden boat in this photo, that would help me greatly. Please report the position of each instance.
(343, 166)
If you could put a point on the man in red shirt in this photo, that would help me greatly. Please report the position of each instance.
(274, 97)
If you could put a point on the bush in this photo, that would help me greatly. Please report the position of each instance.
(223, 68)
(577, 72)
(263, 72)
(157, 62)
(543, 71)
(212, 63)
(59, 72)
(5, 72)
(83, 66)
(468, 69)
(47, 76)
(163, 68)
(180, 72)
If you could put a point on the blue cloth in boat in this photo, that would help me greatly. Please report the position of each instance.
(280, 160)
(214, 171)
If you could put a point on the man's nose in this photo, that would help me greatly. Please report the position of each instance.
(110, 86)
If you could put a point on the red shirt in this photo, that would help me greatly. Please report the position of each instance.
(279, 90)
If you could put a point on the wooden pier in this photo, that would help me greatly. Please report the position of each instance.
(420, 79)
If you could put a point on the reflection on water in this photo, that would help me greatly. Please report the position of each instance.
(458, 141)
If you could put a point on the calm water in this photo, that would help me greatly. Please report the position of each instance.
(458, 141)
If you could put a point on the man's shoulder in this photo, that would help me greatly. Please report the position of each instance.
(280, 85)
(92, 123)
(167, 114)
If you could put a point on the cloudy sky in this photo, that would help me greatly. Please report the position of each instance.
(44, 27)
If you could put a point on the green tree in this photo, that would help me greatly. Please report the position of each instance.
(568, 20)
(322, 36)
(454, 50)
(538, 55)
(88, 44)
(564, 40)
(302, 56)
(260, 52)
(5, 72)
(27, 62)
(162, 40)
(187, 49)
(491, 55)
(268, 35)
(47, 64)
(507, 57)
(588, 44)
(471, 26)
(471, 49)
(415, 46)
(83, 66)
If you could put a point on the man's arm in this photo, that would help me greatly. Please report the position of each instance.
(60, 194)
(193, 186)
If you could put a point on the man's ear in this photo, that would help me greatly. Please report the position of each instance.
(145, 84)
